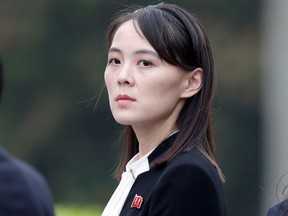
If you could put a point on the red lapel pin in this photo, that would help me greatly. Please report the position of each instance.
(137, 202)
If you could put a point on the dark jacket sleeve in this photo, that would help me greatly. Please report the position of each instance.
(185, 190)
(23, 190)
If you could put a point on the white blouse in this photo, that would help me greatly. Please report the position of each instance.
(134, 167)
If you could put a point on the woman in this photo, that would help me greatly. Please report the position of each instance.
(160, 80)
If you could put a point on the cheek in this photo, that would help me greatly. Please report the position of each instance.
(163, 86)
(106, 77)
(108, 81)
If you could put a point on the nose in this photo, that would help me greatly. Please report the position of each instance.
(125, 76)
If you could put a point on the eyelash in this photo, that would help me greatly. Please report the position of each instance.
(145, 62)
(142, 63)
(113, 61)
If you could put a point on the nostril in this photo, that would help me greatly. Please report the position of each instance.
(123, 82)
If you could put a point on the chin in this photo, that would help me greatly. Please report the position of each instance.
(122, 121)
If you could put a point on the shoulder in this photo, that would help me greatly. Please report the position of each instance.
(279, 209)
(192, 172)
(22, 187)
(194, 164)
(189, 184)
(15, 168)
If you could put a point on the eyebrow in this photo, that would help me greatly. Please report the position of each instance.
(140, 51)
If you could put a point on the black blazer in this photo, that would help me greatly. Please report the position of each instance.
(189, 185)
(23, 191)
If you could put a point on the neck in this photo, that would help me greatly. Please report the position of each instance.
(152, 133)
(151, 137)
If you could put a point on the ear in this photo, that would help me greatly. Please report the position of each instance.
(193, 83)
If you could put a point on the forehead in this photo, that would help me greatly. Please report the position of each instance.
(128, 32)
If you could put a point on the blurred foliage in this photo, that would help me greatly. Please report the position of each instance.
(54, 57)
(78, 210)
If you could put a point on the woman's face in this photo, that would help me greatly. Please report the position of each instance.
(143, 89)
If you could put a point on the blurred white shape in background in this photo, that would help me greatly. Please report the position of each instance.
(274, 33)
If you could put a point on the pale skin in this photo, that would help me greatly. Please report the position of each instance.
(145, 91)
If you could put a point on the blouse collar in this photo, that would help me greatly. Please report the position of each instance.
(137, 165)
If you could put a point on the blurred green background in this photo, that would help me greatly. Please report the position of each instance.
(54, 58)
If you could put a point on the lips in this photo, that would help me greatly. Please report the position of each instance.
(124, 97)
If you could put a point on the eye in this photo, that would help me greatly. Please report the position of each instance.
(114, 61)
(145, 63)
